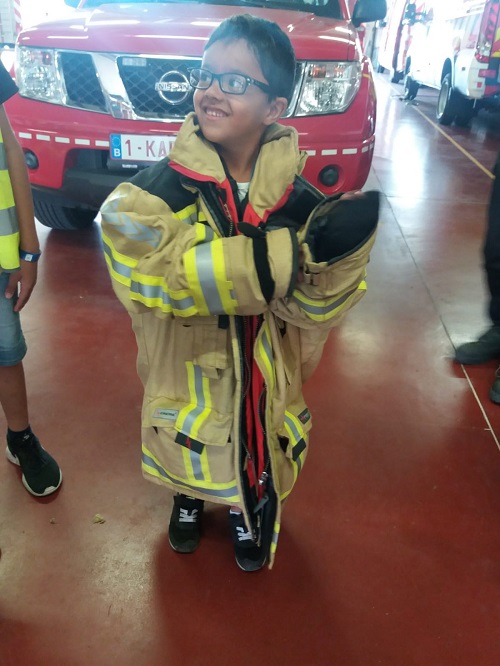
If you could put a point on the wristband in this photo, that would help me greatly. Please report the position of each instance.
(29, 256)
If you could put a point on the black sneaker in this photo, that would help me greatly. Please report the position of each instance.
(249, 556)
(41, 473)
(185, 521)
(483, 349)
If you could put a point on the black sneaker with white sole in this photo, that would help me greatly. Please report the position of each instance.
(41, 473)
(185, 522)
(248, 554)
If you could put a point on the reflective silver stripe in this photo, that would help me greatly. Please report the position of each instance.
(298, 462)
(128, 226)
(291, 424)
(157, 292)
(206, 278)
(8, 221)
(323, 309)
(225, 493)
(196, 464)
(3, 158)
(118, 267)
(190, 418)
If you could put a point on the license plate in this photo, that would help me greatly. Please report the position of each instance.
(138, 148)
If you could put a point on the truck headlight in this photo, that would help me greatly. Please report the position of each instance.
(328, 87)
(38, 75)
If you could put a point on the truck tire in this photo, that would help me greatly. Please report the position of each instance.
(56, 216)
(411, 87)
(446, 109)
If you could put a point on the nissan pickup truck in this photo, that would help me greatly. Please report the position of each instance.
(104, 91)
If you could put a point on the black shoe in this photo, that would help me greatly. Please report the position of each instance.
(249, 556)
(185, 521)
(41, 473)
(495, 389)
(483, 349)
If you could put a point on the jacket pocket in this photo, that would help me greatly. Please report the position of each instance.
(191, 425)
(210, 344)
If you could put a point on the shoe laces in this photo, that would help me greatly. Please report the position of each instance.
(29, 451)
(243, 534)
(188, 515)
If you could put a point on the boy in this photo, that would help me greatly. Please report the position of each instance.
(203, 251)
(19, 252)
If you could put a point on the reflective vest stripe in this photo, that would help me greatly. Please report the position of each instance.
(274, 542)
(207, 278)
(156, 296)
(189, 215)
(127, 226)
(9, 228)
(192, 417)
(226, 491)
(325, 310)
(266, 356)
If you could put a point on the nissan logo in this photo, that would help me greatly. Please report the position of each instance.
(173, 87)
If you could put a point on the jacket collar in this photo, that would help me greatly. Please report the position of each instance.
(278, 163)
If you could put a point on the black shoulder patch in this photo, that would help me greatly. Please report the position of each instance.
(164, 182)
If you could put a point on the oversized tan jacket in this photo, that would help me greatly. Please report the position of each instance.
(188, 283)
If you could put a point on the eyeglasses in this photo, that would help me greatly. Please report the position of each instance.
(232, 84)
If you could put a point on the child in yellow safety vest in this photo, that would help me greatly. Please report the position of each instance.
(19, 252)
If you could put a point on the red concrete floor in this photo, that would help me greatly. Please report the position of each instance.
(390, 546)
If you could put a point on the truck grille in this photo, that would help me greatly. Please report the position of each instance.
(134, 86)
(141, 80)
(82, 84)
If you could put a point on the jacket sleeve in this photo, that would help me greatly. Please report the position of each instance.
(330, 287)
(158, 261)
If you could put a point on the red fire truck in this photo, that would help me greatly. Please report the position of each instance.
(104, 92)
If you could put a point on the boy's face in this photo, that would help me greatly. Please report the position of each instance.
(235, 121)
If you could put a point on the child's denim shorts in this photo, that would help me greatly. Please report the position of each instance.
(12, 342)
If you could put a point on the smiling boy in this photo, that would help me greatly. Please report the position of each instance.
(211, 251)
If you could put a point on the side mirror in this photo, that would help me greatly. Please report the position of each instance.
(366, 11)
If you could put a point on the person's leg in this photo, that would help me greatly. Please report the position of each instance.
(487, 346)
(13, 396)
(492, 249)
(41, 473)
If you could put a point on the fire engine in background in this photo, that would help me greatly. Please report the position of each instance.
(10, 22)
(396, 40)
(455, 48)
(103, 93)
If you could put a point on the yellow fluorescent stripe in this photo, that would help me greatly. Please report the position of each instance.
(231, 499)
(211, 486)
(187, 464)
(201, 418)
(194, 281)
(205, 466)
(224, 285)
(161, 305)
(454, 143)
(116, 276)
(120, 258)
(181, 419)
(186, 213)
(6, 194)
(334, 312)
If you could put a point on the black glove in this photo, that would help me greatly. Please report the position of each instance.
(343, 228)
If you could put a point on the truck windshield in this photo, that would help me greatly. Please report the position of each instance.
(330, 8)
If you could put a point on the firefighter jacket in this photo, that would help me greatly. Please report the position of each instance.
(190, 274)
(9, 229)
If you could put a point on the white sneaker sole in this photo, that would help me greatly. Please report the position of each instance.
(48, 491)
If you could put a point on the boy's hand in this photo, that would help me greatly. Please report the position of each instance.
(26, 278)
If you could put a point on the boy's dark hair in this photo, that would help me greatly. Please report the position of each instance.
(270, 45)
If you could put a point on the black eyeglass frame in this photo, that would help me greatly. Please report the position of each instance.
(248, 79)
